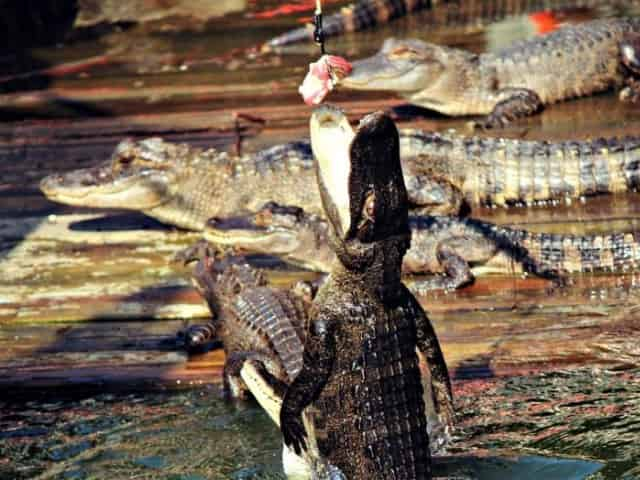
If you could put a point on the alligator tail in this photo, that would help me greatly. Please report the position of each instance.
(541, 171)
(550, 255)
(503, 172)
(359, 16)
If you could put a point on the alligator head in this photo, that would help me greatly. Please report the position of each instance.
(147, 176)
(362, 189)
(278, 230)
(220, 278)
(419, 71)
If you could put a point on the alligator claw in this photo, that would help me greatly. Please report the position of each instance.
(196, 337)
(195, 252)
(293, 432)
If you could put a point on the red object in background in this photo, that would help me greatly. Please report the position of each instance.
(545, 21)
(288, 8)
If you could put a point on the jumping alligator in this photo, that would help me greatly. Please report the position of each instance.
(439, 244)
(184, 186)
(360, 380)
(262, 330)
(517, 81)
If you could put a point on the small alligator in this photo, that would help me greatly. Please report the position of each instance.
(517, 81)
(184, 186)
(439, 244)
(262, 331)
(359, 16)
(360, 380)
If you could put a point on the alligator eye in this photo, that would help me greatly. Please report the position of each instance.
(264, 218)
(404, 52)
(123, 162)
(368, 211)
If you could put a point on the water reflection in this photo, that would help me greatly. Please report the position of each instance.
(554, 417)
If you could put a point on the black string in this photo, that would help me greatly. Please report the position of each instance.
(318, 33)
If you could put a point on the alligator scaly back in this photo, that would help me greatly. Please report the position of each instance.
(251, 317)
(560, 253)
(498, 171)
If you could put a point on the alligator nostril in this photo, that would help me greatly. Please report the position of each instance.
(214, 222)
(50, 181)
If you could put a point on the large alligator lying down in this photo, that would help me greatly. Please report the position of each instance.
(184, 186)
(439, 244)
(519, 80)
(263, 330)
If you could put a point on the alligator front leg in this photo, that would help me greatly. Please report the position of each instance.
(429, 346)
(513, 103)
(269, 391)
(319, 355)
(457, 272)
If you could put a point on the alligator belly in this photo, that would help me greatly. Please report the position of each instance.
(370, 419)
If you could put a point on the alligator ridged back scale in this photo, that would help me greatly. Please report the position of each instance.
(570, 62)
(253, 318)
(500, 171)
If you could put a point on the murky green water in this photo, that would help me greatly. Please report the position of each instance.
(571, 424)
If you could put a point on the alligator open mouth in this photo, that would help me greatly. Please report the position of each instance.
(385, 70)
(331, 137)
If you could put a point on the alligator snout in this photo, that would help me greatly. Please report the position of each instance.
(50, 182)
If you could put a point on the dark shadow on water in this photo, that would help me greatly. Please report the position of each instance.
(408, 112)
(120, 222)
(517, 467)
(474, 367)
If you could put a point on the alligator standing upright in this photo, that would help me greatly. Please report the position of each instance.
(439, 244)
(360, 378)
(262, 330)
(573, 61)
(185, 186)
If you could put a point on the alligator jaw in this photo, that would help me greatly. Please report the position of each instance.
(97, 187)
(331, 137)
(400, 66)
(245, 234)
(377, 73)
